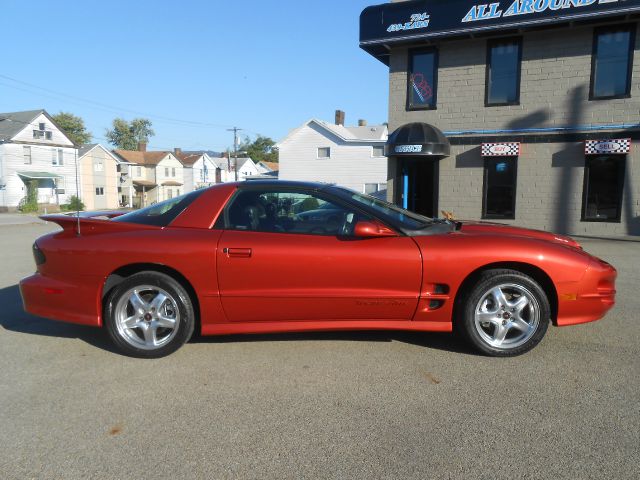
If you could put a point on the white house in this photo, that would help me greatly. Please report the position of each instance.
(34, 148)
(352, 157)
(200, 171)
(156, 176)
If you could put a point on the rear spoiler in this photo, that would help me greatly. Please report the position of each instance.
(92, 223)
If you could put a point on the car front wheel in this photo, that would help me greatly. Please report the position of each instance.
(149, 315)
(505, 314)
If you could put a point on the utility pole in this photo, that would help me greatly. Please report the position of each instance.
(235, 131)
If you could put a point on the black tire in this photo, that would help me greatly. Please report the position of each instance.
(489, 310)
(177, 307)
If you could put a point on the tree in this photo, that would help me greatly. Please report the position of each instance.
(260, 150)
(126, 135)
(73, 127)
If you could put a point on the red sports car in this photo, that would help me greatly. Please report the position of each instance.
(247, 258)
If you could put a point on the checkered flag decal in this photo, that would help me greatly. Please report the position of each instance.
(598, 147)
(500, 149)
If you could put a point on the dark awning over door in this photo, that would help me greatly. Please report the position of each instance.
(417, 140)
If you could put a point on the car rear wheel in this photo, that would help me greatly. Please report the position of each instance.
(505, 314)
(149, 315)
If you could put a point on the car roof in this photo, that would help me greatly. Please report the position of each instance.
(282, 184)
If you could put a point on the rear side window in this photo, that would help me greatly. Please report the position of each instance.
(160, 214)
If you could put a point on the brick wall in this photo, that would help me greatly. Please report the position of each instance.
(549, 189)
(556, 71)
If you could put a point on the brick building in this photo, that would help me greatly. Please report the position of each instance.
(522, 111)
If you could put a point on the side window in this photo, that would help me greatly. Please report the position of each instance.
(423, 79)
(289, 212)
(504, 59)
(500, 188)
(612, 62)
(603, 185)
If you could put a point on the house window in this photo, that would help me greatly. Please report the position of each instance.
(41, 134)
(423, 79)
(169, 193)
(178, 192)
(26, 154)
(504, 59)
(603, 186)
(166, 171)
(57, 157)
(99, 191)
(378, 151)
(612, 62)
(500, 175)
(41, 126)
(60, 185)
(370, 188)
(173, 172)
(98, 167)
(139, 171)
(324, 152)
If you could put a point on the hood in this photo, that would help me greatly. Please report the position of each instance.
(500, 229)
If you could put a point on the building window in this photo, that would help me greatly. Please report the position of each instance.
(26, 154)
(178, 192)
(173, 172)
(99, 191)
(378, 190)
(612, 62)
(603, 185)
(98, 167)
(500, 175)
(504, 60)
(166, 171)
(324, 152)
(139, 171)
(378, 151)
(423, 79)
(169, 193)
(57, 157)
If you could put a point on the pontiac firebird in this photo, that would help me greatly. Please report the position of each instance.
(276, 256)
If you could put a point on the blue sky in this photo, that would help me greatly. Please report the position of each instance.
(262, 66)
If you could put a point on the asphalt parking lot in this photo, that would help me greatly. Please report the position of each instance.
(347, 405)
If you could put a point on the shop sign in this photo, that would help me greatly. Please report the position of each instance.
(408, 149)
(599, 147)
(500, 149)
(416, 21)
(421, 19)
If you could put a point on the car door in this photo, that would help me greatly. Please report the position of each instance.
(289, 255)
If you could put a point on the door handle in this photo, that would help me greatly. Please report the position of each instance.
(237, 252)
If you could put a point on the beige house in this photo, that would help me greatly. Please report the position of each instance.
(105, 179)
(156, 176)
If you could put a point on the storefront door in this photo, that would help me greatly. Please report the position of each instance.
(420, 182)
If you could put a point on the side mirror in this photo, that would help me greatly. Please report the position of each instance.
(372, 230)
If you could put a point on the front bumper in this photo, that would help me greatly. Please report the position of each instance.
(591, 298)
(73, 301)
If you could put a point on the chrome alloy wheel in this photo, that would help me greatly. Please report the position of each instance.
(147, 317)
(507, 316)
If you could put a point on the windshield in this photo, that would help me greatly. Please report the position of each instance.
(393, 213)
(160, 214)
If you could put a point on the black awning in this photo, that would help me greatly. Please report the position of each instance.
(417, 140)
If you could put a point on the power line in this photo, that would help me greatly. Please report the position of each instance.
(111, 108)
